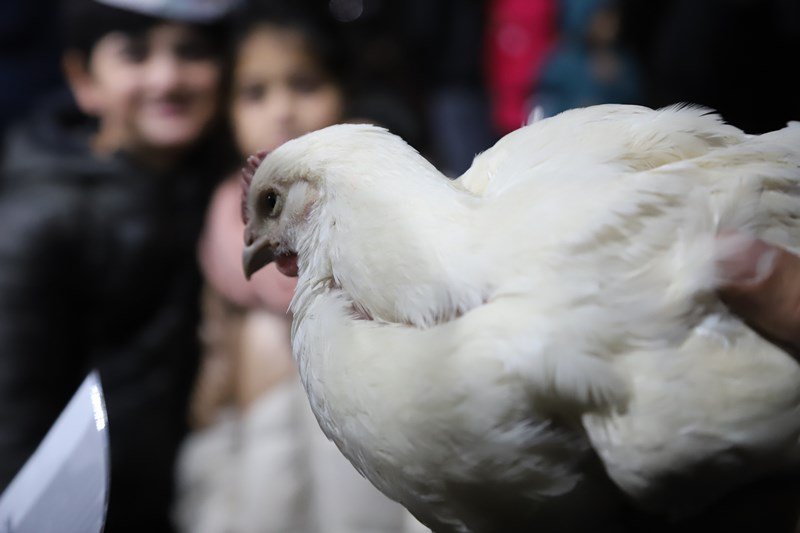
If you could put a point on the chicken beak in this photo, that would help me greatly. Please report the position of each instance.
(256, 256)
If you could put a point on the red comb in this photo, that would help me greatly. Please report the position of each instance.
(248, 172)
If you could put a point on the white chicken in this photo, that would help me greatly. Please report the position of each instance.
(490, 351)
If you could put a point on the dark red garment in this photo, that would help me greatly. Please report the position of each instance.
(519, 35)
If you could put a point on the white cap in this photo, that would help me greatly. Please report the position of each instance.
(187, 10)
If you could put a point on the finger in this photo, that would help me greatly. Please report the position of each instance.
(761, 284)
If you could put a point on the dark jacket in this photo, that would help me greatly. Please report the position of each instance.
(98, 270)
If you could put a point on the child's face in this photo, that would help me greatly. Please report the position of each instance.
(154, 92)
(279, 91)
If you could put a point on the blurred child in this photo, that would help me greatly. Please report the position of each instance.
(102, 205)
(258, 460)
(590, 63)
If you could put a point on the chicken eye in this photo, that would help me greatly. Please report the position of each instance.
(269, 203)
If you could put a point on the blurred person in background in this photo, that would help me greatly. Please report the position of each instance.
(101, 209)
(519, 36)
(446, 38)
(257, 460)
(590, 64)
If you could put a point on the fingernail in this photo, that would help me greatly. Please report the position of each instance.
(745, 260)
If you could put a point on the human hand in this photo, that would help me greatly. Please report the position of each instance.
(761, 284)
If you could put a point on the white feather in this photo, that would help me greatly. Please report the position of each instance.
(470, 345)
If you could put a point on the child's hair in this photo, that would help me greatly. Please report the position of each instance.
(321, 34)
(85, 22)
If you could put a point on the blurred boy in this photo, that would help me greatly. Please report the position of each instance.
(101, 212)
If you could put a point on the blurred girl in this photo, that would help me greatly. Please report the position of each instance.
(258, 461)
